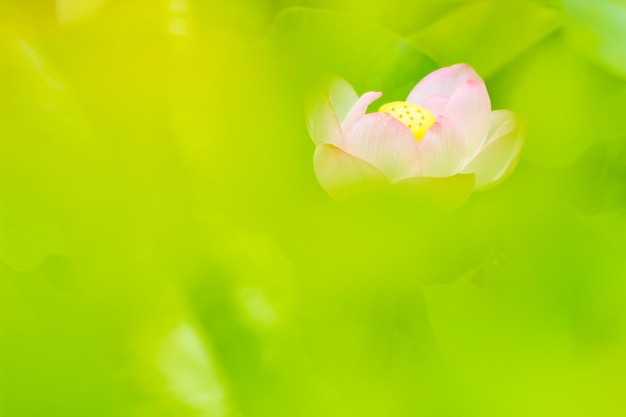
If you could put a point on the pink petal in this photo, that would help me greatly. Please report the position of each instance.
(497, 159)
(470, 110)
(358, 109)
(436, 104)
(386, 143)
(322, 122)
(443, 81)
(344, 176)
(442, 150)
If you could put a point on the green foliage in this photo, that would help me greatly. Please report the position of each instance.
(597, 181)
(598, 29)
(570, 103)
(487, 34)
(165, 249)
(371, 57)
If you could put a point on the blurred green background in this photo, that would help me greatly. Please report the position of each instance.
(165, 249)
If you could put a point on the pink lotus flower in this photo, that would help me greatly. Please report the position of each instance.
(444, 130)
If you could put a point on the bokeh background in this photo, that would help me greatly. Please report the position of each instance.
(165, 249)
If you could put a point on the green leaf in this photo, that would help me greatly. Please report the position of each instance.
(598, 30)
(487, 34)
(596, 183)
(368, 56)
(570, 104)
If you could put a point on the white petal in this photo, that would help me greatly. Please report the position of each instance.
(502, 122)
(442, 151)
(384, 142)
(322, 122)
(497, 159)
(470, 110)
(342, 97)
(345, 176)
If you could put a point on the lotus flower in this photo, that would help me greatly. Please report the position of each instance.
(445, 129)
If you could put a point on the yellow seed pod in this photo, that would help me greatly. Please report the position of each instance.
(415, 117)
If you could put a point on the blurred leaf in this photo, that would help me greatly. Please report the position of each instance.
(569, 103)
(548, 301)
(368, 56)
(597, 181)
(447, 193)
(487, 34)
(599, 31)
(34, 94)
(71, 10)
(123, 133)
(244, 302)
(27, 232)
(41, 126)
(185, 361)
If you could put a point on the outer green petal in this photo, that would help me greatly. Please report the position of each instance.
(344, 176)
(496, 160)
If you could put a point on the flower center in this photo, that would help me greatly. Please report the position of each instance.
(415, 117)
